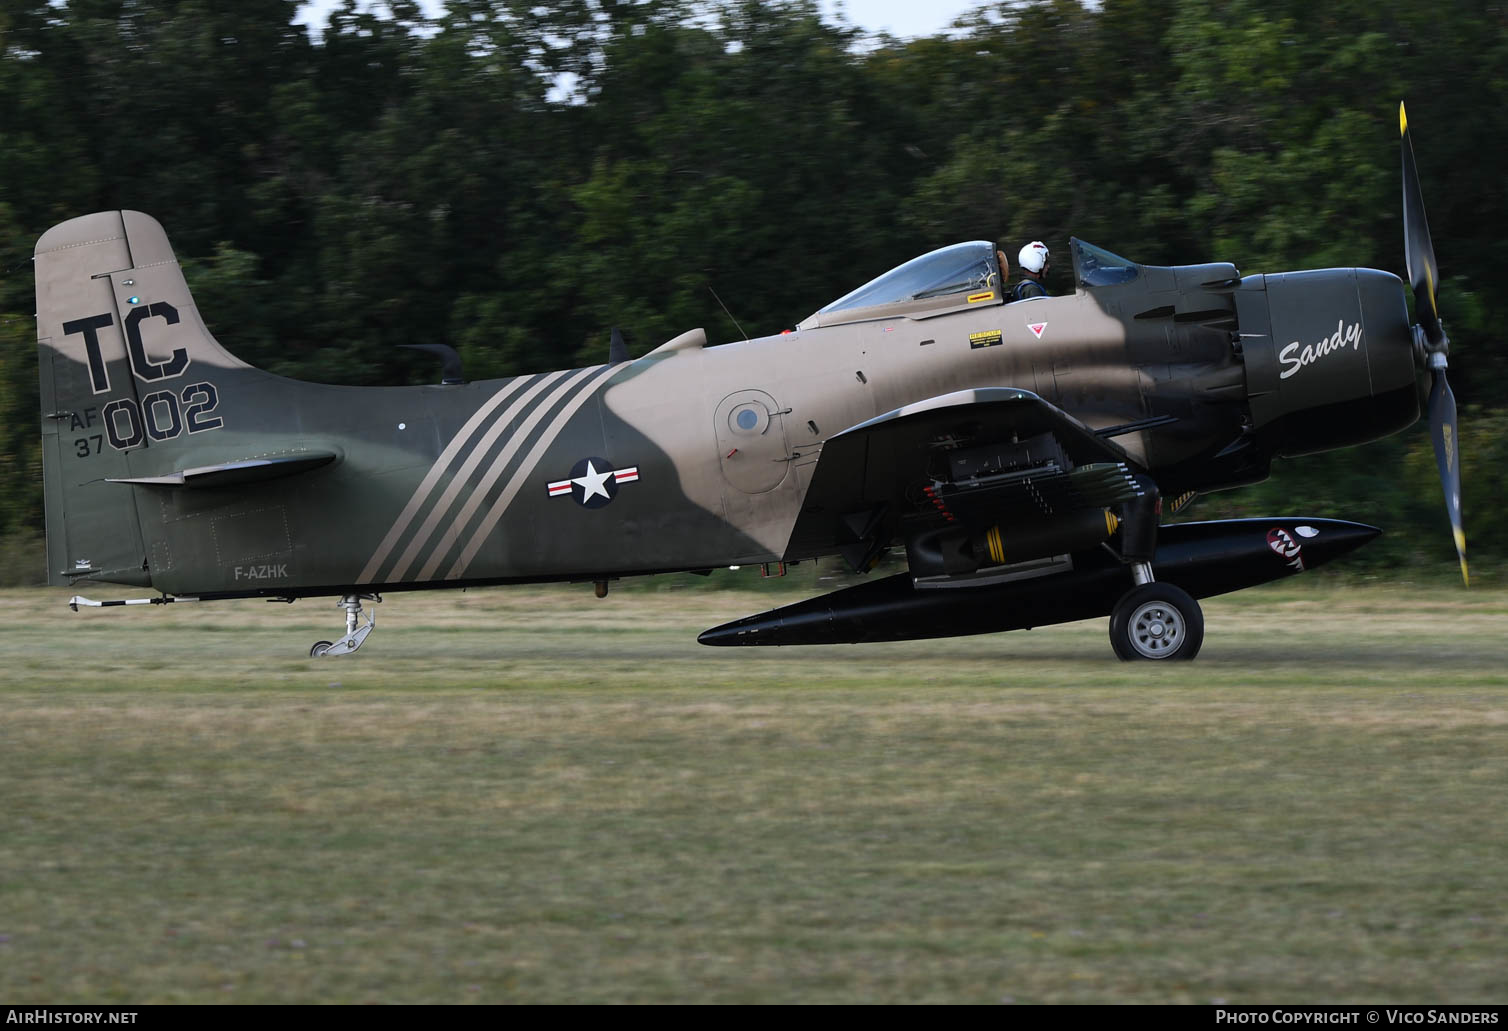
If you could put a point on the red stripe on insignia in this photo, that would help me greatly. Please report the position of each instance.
(561, 487)
(627, 475)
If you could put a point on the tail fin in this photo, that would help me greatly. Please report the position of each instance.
(123, 357)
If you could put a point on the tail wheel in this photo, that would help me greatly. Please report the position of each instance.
(320, 647)
(1156, 621)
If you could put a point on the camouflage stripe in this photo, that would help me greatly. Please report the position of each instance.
(436, 471)
(515, 484)
(452, 533)
(519, 408)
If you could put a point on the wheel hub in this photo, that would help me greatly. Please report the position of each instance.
(1156, 630)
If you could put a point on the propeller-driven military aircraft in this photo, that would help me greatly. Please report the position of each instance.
(1020, 453)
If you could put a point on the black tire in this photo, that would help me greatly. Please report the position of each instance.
(320, 647)
(1156, 621)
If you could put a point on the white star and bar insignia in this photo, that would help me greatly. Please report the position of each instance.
(593, 482)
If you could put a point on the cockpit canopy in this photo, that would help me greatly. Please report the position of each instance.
(955, 277)
(948, 277)
(961, 268)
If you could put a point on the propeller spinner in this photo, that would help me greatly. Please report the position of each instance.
(1433, 346)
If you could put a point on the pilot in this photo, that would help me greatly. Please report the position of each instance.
(1033, 259)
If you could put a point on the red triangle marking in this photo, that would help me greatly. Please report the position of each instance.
(1037, 328)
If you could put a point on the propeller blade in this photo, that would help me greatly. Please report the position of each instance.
(1419, 252)
(1443, 431)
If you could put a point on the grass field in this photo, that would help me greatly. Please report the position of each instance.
(533, 796)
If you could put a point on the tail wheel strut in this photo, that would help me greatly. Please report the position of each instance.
(356, 631)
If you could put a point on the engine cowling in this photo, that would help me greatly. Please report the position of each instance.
(1329, 357)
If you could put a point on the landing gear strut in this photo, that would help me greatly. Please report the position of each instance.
(1152, 620)
(355, 634)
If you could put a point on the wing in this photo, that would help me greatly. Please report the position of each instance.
(963, 462)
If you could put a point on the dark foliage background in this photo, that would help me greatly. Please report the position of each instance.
(515, 179)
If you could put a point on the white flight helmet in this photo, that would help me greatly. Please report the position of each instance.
(1034, 257)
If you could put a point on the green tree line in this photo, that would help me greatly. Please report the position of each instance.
(515, 179)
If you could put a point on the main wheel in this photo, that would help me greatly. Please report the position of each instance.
(1156, 621)
(320, 647)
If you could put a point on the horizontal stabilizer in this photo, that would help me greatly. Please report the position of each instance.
(232, 474)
